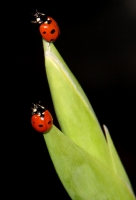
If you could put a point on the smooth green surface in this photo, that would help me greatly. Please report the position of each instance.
(118, 167)
(87, 164)
(84, 177)
(74, 112)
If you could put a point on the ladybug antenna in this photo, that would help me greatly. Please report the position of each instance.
(39, 13)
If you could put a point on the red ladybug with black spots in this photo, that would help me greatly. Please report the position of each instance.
(49, 28)
(41, 119)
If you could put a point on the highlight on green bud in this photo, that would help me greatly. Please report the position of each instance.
(86, 163)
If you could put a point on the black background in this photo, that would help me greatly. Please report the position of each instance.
(98, 42)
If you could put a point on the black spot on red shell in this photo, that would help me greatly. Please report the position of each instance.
(49, 122)
(44, 32)
(40, 125)
(52, 31)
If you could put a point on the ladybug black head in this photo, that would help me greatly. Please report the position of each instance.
(38, 15)
(38, 109)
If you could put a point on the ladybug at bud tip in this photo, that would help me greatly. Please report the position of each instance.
(49, 28)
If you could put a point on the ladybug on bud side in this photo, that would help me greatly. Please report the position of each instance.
(41, 119)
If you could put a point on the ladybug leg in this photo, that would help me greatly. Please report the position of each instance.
(40, 106)
(34, 22)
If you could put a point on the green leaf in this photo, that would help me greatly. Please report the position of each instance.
(87, 166)
(118, 167)
(74, 112)
(84, 177)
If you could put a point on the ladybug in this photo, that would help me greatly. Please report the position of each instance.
(49, 28)
(41, 119)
